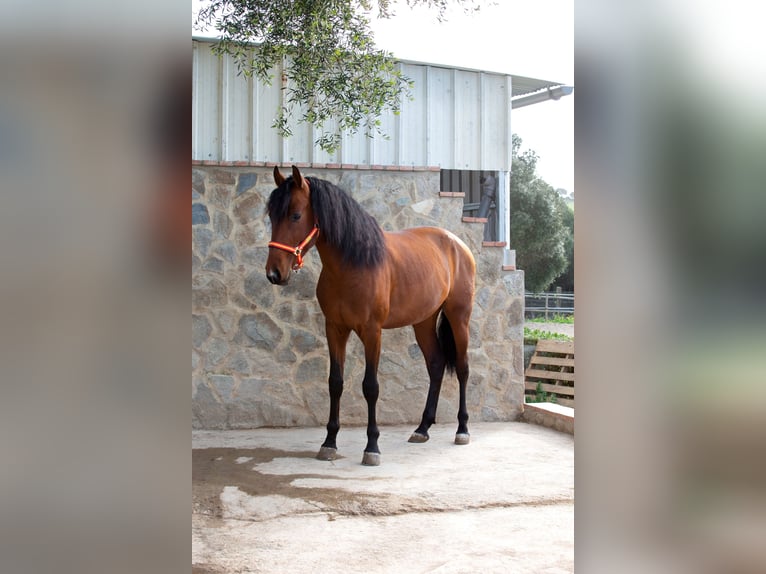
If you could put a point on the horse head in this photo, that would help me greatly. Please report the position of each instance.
(293, 226)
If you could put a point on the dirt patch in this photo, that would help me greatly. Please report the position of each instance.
(213, 469)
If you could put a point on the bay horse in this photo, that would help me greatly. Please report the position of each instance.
(373, 280)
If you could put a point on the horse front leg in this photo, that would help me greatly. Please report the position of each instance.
(370, 389)
(337, 337)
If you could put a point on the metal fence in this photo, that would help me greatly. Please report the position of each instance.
(548, 305)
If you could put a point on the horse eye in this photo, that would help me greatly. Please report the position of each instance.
(295, 216)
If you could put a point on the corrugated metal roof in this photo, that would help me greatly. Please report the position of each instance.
(521, 84)
(458, 118)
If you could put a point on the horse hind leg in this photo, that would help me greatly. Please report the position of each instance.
(425, 334)
(459, 320)
(462, 436)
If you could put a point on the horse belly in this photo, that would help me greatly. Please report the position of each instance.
(354, 305)
(410, 307)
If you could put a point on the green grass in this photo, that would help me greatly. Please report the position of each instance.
(531, 336)
(563, 319)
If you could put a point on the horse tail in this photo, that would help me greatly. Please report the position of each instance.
(446, 340)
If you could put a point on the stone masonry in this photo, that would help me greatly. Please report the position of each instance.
(259, 354)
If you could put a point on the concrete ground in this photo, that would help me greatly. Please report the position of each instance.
(504, 503)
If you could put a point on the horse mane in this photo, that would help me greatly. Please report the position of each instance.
(342, 221)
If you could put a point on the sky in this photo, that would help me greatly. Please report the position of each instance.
(532, 38)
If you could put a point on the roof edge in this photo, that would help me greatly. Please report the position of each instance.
(541, 83)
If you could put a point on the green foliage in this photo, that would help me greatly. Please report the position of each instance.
(562, 319)
(566, 279)
(442, 5)
(537, 229)
(333, 76)
(331, 69)
(531, 336)
(540, 396)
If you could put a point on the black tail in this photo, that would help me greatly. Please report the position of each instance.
(447, 343)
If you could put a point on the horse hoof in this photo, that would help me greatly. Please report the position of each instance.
(417, 437)
(462, 438)
(327, 453)
(371, 459)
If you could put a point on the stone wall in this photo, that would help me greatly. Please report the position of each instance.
(259, 355)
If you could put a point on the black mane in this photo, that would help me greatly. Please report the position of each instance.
(342, 221)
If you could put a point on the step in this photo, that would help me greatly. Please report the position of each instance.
(549, 415)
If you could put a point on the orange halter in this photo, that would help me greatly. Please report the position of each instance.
(297, 251)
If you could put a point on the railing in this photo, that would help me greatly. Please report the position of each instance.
(490, 228)
(551, 373)
(548, 305)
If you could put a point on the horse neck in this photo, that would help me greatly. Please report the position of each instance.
(330, 255)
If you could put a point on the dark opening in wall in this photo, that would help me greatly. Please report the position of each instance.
(481, 188)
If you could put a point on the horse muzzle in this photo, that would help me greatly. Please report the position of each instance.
(275, 277)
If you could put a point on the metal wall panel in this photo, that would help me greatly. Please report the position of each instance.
(385, 147)
(266, 100)
(467, 120)
(495, 113)
(355, 148)
(441, 117)
(235, 113)
(413, 136)
(457, 119)
(321, 156)
(206, 143)
(297, 147)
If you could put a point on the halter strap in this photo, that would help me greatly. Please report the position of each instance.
(297, 251)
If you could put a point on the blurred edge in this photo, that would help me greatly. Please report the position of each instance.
(670, 245)
(94, 410)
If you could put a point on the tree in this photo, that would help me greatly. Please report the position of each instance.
(537, 228)
(335, 78)
(566, 279)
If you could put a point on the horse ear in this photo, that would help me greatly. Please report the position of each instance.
(297, 177)
(278, 177)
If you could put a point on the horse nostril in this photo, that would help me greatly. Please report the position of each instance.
(274, 276)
